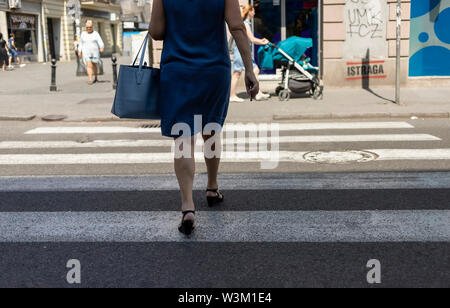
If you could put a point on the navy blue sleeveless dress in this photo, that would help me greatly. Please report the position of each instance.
(195, 65)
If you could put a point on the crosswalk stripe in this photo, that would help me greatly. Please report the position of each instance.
(236, 157)
(259, 181)
(237, 127)
(228, 226)
(168, 143)
(89, 144)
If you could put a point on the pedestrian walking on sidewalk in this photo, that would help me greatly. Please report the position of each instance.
(3, 53)
(248, 13)
(195, 80)
(13, 54)
(90, 47)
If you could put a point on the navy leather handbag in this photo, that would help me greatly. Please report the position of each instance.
(137, 94)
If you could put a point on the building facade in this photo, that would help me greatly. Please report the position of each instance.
(135, 18)
(24, 19)
(44, 30)
(359, 42)
(355, 40)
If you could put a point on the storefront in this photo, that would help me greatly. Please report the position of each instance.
(355, 40)
(24, 21)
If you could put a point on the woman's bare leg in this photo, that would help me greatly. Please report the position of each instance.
(89, 70)
(234, 83)
(185, 171)
(212, 165)
(257, 71)
(95, 68)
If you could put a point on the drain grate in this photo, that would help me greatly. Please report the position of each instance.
(152, 125)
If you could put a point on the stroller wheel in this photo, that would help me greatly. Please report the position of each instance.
(278, 90)
(284, 95)
(318, 92)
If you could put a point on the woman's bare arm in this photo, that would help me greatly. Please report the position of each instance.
(157, 28)
(254, 39)
(239, 32)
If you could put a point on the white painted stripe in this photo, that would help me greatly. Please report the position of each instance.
(416, 154)
(339, 138)
(243, 181)
(242, 157)
(168, 143)
(246, 226)
(90, 144)
(238, 127)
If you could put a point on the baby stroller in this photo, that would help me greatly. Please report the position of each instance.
(298, 75)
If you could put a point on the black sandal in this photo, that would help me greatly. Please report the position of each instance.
(187, 226)
(216, 199)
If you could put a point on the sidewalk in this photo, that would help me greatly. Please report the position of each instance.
(25, 95)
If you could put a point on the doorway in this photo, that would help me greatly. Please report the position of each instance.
(114, 38)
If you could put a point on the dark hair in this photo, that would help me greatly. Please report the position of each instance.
(12, 35)
(1, 36)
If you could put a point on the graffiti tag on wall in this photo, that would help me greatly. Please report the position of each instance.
(365, 24)
(365, 21)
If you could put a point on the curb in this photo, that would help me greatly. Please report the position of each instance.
(18, 118)
(327, 116)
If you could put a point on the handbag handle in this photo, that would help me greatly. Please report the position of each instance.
(143, 46)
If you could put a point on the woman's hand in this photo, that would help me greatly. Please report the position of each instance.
(79, 54)
(251, 83)
(102, 49)
(265, 41)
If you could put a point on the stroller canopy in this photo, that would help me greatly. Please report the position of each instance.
(294, 46)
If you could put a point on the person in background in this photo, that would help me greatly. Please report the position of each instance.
(90, 47)
(3, 53)
(29, 47)
(248, 13)
(13, 51)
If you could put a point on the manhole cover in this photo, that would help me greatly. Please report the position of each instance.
(340, 157)
(54, 117)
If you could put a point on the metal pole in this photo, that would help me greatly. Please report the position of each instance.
(398, 64)
(114, 61)
(319, 38)
(283, 20)
(53, 87)
(80, 69)
(44, 33)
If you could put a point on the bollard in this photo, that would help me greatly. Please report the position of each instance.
(53, 87)
(114, 64)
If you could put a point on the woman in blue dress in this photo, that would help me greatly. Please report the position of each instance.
(195, 84)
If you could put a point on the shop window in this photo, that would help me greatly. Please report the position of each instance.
(301, 20)
(430, 38)
(24, 29)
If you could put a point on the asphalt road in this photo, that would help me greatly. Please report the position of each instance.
(303, 224)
